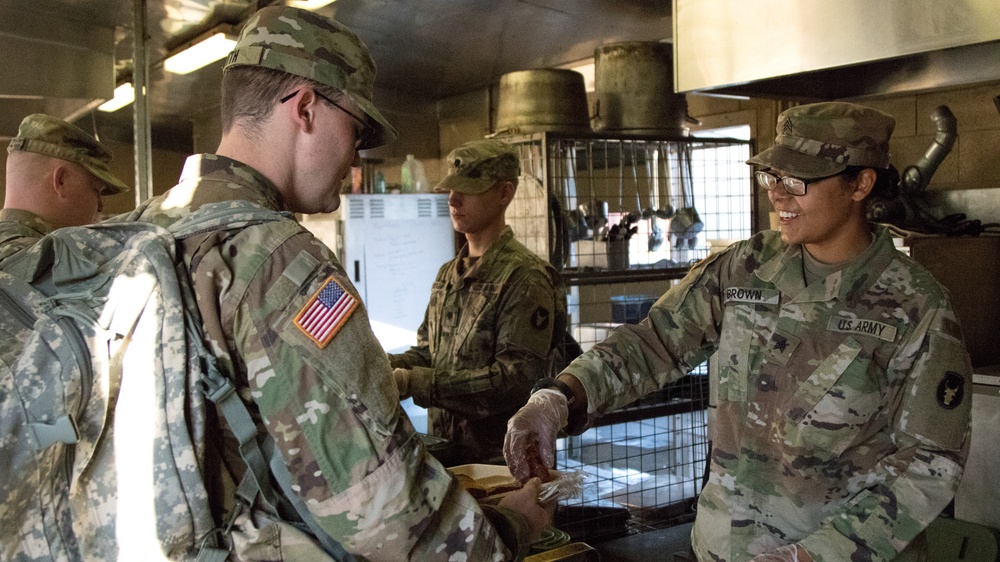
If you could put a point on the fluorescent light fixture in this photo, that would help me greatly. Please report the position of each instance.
(199, 54)
(124, 95)
(309, 4)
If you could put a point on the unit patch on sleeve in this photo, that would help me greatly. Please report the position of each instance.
(540, 318)
(951, 390)
(879, 330)
(326, 312)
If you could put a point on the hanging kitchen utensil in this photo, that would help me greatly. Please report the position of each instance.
(576, 226)
(628, 217)
(655, 233)
(675, 190)
(576, 221)
(596, 213)
(558, 236)
(640, 211)
(686, 224)
(662, 156)
(650, 209)
(595, 210)
(558, 230)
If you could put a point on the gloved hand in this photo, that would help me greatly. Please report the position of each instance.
(530, 444)
(787, 553)
(402, 377)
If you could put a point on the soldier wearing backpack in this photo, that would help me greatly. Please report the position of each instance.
(56, 177)
(282, 317)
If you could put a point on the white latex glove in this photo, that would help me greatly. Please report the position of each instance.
(402, 378)
(530, 444)
(787, 553)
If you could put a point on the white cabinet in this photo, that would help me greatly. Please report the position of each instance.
(392, 247)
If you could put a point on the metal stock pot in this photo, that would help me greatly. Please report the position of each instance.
(634, 90)
(545, 99)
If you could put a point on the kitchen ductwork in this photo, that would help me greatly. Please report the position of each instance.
(814, 50)
(63, 57)
(53, 55)
(425, 51)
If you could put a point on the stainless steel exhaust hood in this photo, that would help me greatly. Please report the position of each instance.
(54, 61)
(810, 50)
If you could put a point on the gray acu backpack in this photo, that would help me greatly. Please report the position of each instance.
(105, 397)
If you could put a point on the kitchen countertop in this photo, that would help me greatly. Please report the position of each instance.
(657, 545)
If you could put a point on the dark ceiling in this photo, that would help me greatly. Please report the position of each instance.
(438, 48)
(425, 50)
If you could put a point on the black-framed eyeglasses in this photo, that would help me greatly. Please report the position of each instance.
(361, 135)
(792, 185)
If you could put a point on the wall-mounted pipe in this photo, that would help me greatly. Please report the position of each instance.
(916, 177)
(140, 123)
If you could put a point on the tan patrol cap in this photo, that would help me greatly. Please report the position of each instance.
(47, 135)
(475, 166)
(312, 46)
(821, 139)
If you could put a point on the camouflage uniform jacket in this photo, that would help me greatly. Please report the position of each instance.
(843, 407)
(18, 230)
(487, 337)
(330, 405)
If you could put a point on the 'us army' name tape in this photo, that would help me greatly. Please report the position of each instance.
(880, 330)
(752, 295)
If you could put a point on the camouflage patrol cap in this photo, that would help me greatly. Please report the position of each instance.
(822, 139)
(47, 135)
(475, 166)
(309, 45)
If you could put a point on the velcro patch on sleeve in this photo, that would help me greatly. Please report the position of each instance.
(322, 317)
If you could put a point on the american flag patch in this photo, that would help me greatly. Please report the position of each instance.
(326, 312)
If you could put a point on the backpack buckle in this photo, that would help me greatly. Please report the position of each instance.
(61, 430)
(217, 389)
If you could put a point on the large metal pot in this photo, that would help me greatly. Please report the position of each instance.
(634, 90)
(545, 99)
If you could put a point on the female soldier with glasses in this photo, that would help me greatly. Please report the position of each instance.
(842, 407)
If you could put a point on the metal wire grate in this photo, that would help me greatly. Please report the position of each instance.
(623, 218)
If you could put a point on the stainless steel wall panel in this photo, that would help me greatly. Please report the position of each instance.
(795, 49)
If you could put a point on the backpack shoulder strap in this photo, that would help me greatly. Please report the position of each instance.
(258, 450)
(227, 215)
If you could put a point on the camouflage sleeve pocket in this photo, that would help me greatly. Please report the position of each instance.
(344, 354)
(936, 408)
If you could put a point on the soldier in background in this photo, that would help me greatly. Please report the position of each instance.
(56, 177)
(843, 393)
(496, 317)
(287, 325)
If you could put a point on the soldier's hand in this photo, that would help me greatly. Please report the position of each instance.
(530, 444)
(525, 502)
(402, 378)
(787, 553)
